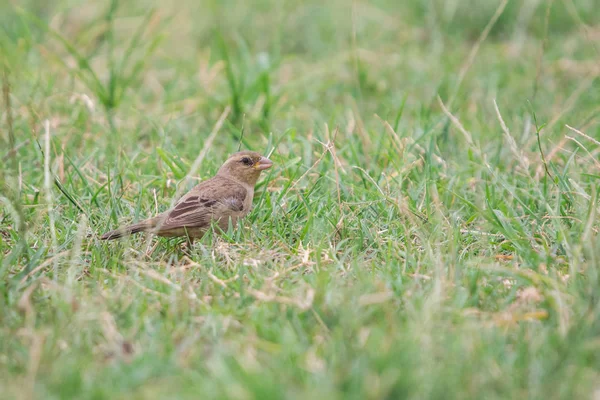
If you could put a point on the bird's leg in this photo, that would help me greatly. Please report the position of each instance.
(187, 246)
(190, 241)
(150, 249)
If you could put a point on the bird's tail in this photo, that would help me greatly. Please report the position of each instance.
(143, 226)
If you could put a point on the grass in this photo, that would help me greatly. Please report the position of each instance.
(430, 229)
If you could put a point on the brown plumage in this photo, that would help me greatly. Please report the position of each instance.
(225, 197)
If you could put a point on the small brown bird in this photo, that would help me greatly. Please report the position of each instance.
(227, 196)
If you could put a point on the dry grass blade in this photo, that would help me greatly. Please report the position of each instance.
(331, 148)
(577, 131)
(375, 298)
(51, 260)
(205, 149)
(583, 87)
(587, 30)
(590, 155)
(456, 122)
(198, 161)
(158, 277)
(512, 144)
(13, 151)
(475, 49)
(310, 169)
(302, 303)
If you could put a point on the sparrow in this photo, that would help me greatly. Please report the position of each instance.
(225, 197)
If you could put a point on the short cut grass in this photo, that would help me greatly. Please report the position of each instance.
(429, 228)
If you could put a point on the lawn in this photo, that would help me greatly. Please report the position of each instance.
(429, 229)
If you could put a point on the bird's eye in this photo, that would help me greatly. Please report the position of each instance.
(247, 161)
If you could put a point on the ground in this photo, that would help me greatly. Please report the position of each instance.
(429, 229)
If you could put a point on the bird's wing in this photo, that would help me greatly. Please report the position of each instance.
(211, 200)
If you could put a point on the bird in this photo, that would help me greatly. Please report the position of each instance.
(223, 198)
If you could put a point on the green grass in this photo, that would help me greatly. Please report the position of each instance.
(412, 240)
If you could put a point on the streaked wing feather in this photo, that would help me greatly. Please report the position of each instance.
(197, 210)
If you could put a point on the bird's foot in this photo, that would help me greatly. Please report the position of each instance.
(187, 247)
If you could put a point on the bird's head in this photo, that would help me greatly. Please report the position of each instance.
(245, 167)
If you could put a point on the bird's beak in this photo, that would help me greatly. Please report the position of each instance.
(263, 163)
